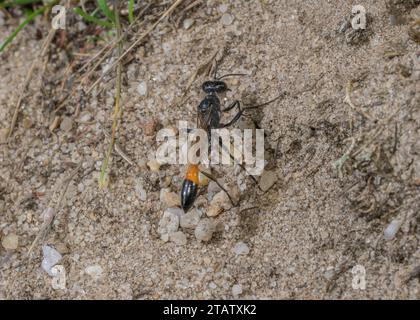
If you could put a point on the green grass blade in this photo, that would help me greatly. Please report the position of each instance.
(131, 11)
(92, 19)
(105, 9)
(15, 3)
(21, 26)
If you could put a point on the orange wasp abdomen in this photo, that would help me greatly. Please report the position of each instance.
(190, 187)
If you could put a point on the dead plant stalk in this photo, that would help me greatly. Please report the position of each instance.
(117, 115)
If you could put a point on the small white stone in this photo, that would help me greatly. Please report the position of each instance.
(169, 222)
(227, 19)
(142, 88)
(141, 192)
(10, 242)
(223, 8)
(236, 290)
(170, 199)
(392, 229)
(50, 258)
(204, 230)
(267, 180)
(188, 23)
(175, 210)
(241, 248)
(59, 280)
(164, 237)
(329, 273)
(178, 238)
(95, 271)
(85, 117)
(221, 199)
(214, 210)
(48, 215)
(190, 220)
(153, 165)
(212, 189)
(66, 124)
(212, 285)
(80, 25)
(4, 132)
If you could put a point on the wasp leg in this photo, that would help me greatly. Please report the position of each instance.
(233, 121)
(240, 164)
(208, 175)
(234, 104)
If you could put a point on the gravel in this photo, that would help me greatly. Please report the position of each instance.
(236, 290)
(392, 229)
(95, 271)
(204, 230)
(178, 238)
(51, 257)
(241, 248)
(142, 88)
(191, 219)
(10, 242)
(227, 19)
(169, 222)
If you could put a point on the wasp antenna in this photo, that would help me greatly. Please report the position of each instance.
(231, 75)
(265, 103)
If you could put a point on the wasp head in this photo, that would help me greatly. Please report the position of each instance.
(215, 86)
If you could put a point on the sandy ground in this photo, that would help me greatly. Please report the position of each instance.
(304, 235)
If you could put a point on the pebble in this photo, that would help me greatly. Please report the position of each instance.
(27, 123)
(212, 285)
(178, 238)
(392, 229)
(241, 248)
(66, 124)
(236, 290)
(223, 8)
(329, 273)
(169, 222)
(48, 215)
(188, 23)
(190, 220)
(204, 230)
(10, 242)
(3, 134)
(141, 192)
(214, 211)
(212, 189)
(80, 26)
(142, 88)
(85, 117)
(170, 199)
(153, 165)
(164, 237)
(218, 204)
(149, 127)
(267, 180)
(227, 19)
(95, 271)
(50, 258)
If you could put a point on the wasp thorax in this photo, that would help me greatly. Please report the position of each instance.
(204, 106)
